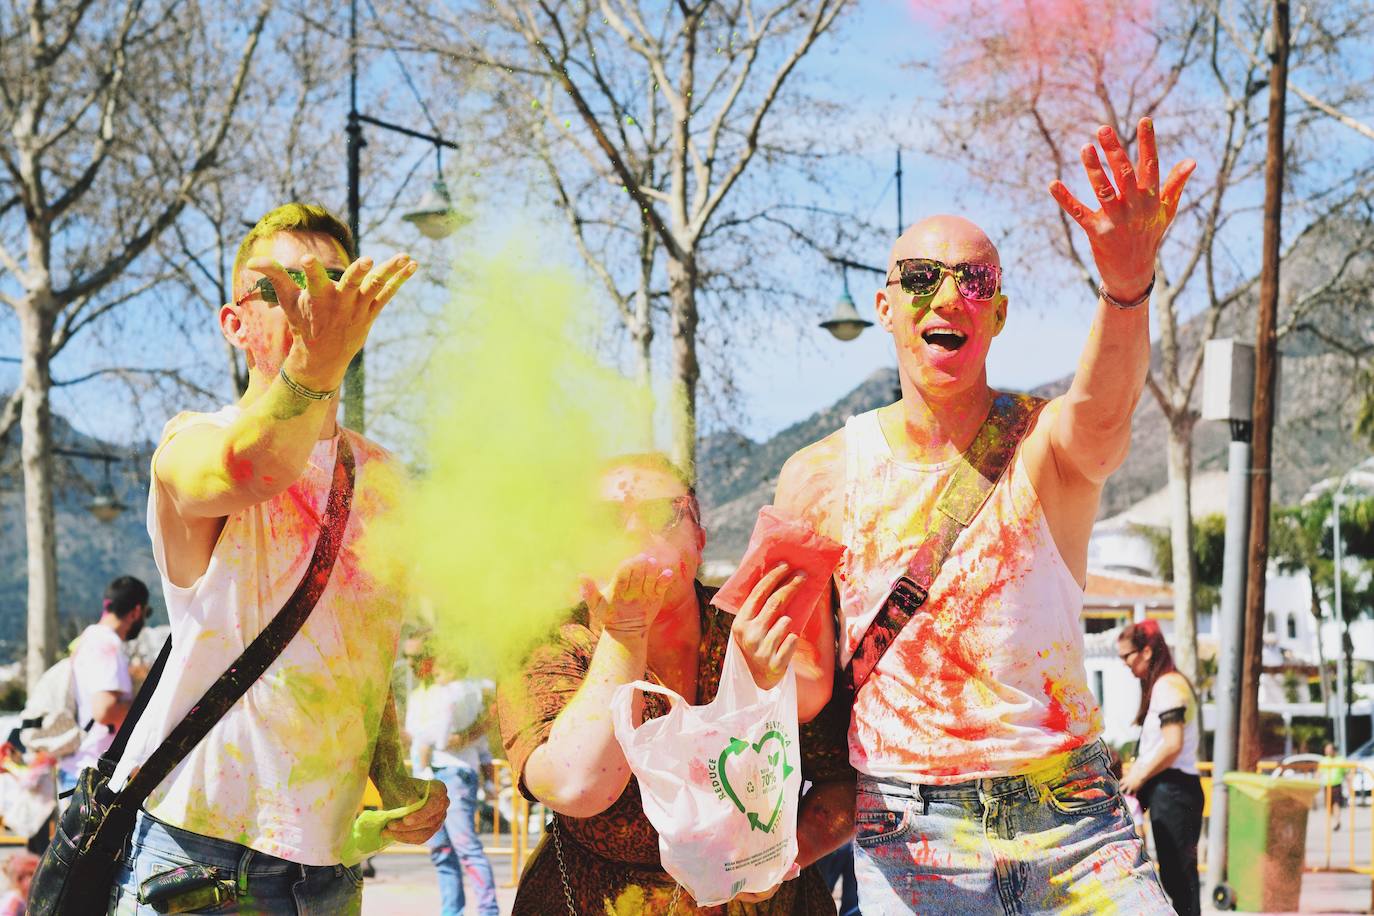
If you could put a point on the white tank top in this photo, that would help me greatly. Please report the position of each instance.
(1171, 692)
(987, 679)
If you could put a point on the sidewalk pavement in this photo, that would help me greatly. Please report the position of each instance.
(405, 884)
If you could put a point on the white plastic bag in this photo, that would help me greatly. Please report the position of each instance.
(720, 782)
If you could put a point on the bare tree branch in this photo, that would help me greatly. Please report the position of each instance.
(202, 163)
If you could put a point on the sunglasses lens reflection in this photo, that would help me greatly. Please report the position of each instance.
(269, 293)
(921, 277)
(977, 281)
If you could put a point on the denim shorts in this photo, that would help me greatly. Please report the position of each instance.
(1058, 840)
(261, 883)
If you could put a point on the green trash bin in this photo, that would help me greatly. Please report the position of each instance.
(1266, 839)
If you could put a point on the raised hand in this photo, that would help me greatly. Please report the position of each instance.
(1126, 233)
(330, 321)
(761, 626)
(636, 594)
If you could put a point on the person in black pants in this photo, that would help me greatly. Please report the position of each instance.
(1164, 774)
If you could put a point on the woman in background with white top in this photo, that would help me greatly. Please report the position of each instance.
(1164, 775)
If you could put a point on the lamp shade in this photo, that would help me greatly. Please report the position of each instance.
(845, 324)
(105, 505)
(435, 216)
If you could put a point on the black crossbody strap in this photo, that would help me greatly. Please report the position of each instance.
(961, 500)
(257, 658)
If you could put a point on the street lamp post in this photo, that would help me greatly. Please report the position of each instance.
(105, 505)
(846, 323)
(435, 217)
(1228, 378)
(1342, 675)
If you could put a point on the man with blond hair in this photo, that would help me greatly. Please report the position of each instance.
(266, 802)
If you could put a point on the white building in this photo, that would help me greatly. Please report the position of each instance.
(1122, 588)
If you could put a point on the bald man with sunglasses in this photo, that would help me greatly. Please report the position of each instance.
(269, 797)
(983, 784)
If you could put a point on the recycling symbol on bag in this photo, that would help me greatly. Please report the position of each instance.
(763, 783)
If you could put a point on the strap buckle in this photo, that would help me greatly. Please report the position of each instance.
(907, 596)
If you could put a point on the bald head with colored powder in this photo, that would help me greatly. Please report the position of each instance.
(942, 336)
(947, 238)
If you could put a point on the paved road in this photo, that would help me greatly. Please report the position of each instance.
(405, 885)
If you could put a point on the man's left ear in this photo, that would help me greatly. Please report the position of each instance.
(1001, 321)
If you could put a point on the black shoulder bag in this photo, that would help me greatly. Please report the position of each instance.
(960, 502)
(79, 866)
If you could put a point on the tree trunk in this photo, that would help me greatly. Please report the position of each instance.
(1181, 538)
(682, 291)
(36, 324)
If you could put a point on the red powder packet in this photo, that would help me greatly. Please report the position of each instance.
(780, 539)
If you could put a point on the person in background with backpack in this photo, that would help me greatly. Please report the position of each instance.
(100, 674)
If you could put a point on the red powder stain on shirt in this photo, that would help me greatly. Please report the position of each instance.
(1056, 715)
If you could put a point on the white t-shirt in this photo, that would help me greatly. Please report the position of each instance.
(1171, 698)
(284, 771)
(98, 665)
(436, 712)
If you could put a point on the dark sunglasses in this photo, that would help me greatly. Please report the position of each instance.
(1129, 655)
(264, 288)
(653, 514)
(923, 276)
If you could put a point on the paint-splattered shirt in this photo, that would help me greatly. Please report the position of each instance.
(987, 679)
(284, 771)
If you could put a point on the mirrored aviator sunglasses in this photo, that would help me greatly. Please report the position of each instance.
(264, 288)
(923, 276)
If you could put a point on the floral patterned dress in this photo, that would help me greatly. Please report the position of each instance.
(611, 860)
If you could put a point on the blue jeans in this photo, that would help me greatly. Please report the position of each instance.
(456, 848)
(261, 883)
(1057, 841)
(838, 866)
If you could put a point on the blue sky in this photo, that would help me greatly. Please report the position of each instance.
(801, 369)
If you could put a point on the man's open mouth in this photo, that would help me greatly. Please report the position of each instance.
(944, 338)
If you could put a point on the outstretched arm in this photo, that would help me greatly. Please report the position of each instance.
(1090, 427)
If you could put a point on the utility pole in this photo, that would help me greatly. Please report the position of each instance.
(1266, 357)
